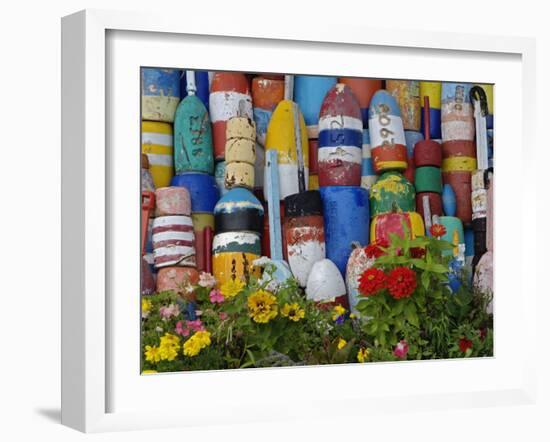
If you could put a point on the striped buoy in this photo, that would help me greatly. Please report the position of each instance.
(363, 89)
(157, 143)
(309, 93)
(349, 203)
(172, 201)
(392, 192)
(192, 133)
(388, 145)
(229, 97)
(266, 94)
(176, 278)
(368, 175)
(304, 233)
(173, 241)
(457, 118)
(325, 284)
(160, 94)
(204, 196)
(432, 90)
(282, 138)
(240, 152)
(237, 243)
(407, 93)
(382, 226)
(340, 138)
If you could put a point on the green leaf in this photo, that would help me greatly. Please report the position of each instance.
(425, 278)
(411, 314)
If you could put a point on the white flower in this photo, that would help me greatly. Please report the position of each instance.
(207, 280)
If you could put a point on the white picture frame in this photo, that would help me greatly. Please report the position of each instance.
(92, 239)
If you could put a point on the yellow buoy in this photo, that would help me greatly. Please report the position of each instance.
(157, 142)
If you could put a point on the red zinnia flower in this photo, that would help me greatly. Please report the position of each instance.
(418, 252)
(372, 281)
(464, 344)
(373, 251)
(438, 230)
(401, 282)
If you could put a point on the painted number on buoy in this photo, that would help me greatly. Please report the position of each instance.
(385, 120)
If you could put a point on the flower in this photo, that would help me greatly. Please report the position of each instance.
(145, 307)
(418, 252)
(168, 312)
(216, 296)
(181, 330)
(338, 312)
(464, 344)
(401, 282)
(207, 280)
(223, 316)
(372, 281)
(152, 354)
(362, 355)
(438, 230)
(231, 288)
(293, 312)
(196, 325)
(374, 250)
(169, 346)
(341, 343)
(262, 306)
(401, 349)
(196, 343)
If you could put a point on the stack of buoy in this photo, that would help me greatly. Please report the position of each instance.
(173, 238)
(427, 179)
(459, 152)
(309, 93)
(237, 242)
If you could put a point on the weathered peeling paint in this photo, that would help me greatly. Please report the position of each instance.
(407, 93)
(172, 201)
(457, 117)
(357, 264)
(160, 94)
(173, 241)
(391, 192)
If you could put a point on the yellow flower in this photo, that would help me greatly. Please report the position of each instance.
(363, 355)
(196, 343)
(231, 288)
(337, 312)
(293, 311)
(145, 307)
(352, 315)
(152, 354)
(149, 372)
(262, 306)
(341, 343)
(169, 346)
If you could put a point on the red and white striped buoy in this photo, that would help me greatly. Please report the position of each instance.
(173, 241)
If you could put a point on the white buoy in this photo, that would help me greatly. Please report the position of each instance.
(325, 283)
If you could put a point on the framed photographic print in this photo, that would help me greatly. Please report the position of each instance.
(248, 214)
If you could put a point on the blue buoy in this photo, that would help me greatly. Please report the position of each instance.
(346, 216)
(202, 188)
(449, 200)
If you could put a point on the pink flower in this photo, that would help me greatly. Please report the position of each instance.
(180, 330)
(223, 316)
(216, 297)
(401, 349)
(207, 280)
(196, 325)
(168, 312)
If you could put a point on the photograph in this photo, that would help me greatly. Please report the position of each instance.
(293, 220)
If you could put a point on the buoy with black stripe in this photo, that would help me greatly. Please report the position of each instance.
(229, 97)
(340, 138)
(160, 94)
(387, 136)
(237, 243)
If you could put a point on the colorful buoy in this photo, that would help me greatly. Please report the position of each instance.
(219, 175)
(304, 233)
(309, 93)
(229, 97)
(432, 90)
(388, 145)
(349, 203)
(160, 94)
(399, 223)
(281, 137)
(173, 241)
(340, 138)
(407, 93)
(192, 133)
(325, 284)
(357, 264)
(157, 144)
(266, 94)
(240, 153)
(457, 118)
(392, 192)
(172, 201)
